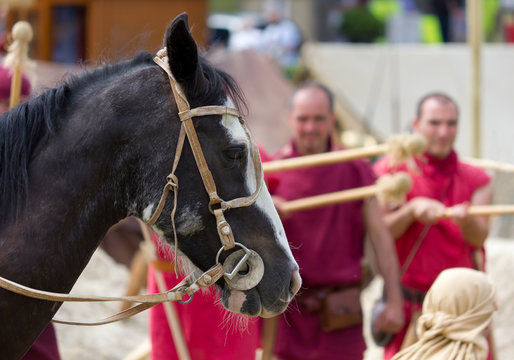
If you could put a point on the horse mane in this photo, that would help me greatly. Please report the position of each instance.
(37, 120)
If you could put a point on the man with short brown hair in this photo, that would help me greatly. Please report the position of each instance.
(426, 244)
(328, 242)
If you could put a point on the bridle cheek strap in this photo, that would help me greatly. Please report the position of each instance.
(186, 115)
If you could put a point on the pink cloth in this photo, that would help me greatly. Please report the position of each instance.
(210, 331)
(45, 347)
(5, 84)
(443, 246)
(328, 244)
(270, 179)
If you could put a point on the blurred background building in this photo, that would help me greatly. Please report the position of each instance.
(71, 30)
(378, 56)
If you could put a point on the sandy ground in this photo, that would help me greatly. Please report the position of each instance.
(114, 341)
(102, 276)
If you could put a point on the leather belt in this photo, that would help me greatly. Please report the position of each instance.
(163, 265)
(413, 295)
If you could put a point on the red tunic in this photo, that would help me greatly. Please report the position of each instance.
(45, 347)
(443, 246)
(328, 246)
(210, 331)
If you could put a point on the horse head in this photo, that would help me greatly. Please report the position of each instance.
(232, 168)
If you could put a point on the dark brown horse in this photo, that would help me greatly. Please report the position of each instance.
(80, 157)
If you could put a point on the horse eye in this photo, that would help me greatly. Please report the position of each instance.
(235, 153)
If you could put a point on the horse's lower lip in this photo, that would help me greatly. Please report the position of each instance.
(250, 303)
(266, 314)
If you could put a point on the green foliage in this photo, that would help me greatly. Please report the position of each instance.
(359, 25)
(223, 5)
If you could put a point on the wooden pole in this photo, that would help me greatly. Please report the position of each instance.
(390, 188)
(337, 197)
(323, 158)
(474, 20)
(490, 164)
(173, 321)
(399, 148)
(483, 210)
(269, 336)
(17, 58)
(169, 309)
(138, 274)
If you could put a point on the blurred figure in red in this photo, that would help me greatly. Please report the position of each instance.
(5, 88)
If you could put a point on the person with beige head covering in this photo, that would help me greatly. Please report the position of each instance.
(456, 314)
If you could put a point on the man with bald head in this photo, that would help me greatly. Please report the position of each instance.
(328, 242)
(425, 244)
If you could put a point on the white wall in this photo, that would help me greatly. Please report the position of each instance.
(373, 77)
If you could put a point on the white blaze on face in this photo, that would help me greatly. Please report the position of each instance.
(236, 131)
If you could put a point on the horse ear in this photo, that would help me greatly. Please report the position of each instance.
(182, 51)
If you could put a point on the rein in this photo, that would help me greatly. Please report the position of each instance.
(217, 206)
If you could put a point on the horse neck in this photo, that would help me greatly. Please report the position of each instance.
(52, 239)
(83, 180)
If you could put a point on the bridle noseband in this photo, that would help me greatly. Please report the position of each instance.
(217, 206)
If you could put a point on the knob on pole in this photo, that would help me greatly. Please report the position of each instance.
(17, 58)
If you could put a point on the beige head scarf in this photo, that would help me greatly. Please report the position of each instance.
(457, 309)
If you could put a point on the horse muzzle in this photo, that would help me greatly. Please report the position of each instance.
(244, 270)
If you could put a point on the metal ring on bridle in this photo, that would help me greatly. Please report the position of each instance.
(241, 262)
(220, 204)
(182, 288)
(236, 275)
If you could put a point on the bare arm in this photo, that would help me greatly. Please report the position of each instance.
(474, 228)
(392, 319)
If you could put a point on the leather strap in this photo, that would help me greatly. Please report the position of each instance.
(208, 278)
(145, 301)
(186, 115)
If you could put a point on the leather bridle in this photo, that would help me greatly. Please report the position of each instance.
(217, 206)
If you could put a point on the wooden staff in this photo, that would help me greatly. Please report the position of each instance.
(269, 336)
(484, 210)
(389, 188)
(490, 164)
(474, 10)
(137, 278)
(169, 309)
(141, 352)
(17, 58)
(399, 148)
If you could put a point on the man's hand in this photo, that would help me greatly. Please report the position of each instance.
(282, 212)
(425, 210)
(460, 214)
(392, 319)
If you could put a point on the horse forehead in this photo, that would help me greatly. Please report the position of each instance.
(233, 126)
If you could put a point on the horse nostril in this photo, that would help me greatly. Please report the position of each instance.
(243, 270)
(296, 283)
